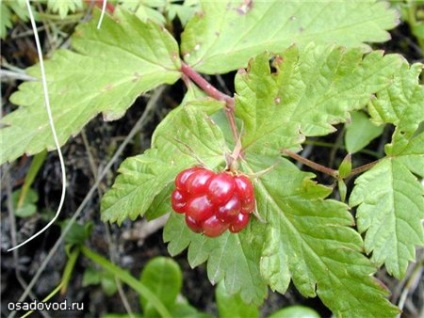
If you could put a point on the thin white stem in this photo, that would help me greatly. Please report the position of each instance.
(53, 129)
(102, 14)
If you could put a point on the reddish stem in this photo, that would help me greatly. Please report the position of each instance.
(206, 86)
(310, 163)
(363, 168)
(323, 169)
(209, 89)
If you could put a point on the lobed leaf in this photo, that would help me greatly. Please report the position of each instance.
(232, 306)
(144, 179)
(390, 211)
(109, 70)
(303, 238)
(401, 103)
(389, 197)
(310, 90)
(224, 35)
(63, 8)
(231, 258)
(310, 240)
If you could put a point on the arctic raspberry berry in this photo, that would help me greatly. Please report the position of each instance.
(213, 202)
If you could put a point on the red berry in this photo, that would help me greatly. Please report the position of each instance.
(213, 227)
(213, 202)
(199, 208)
(181, 178)
(245, 190)
(198, 182)
(221, 188)
(194, 225)
(240, 223)
(228, 213)
(178, 201)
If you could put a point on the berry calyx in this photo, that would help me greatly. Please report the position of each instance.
(213, 202)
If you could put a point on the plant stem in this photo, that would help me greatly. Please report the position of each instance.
(209, 89)
(362, 168)
(326, 170)
(206, 86)
(311, 164)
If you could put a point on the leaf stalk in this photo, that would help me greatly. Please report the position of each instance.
(311, 164)
(331, 172)
(213, 92)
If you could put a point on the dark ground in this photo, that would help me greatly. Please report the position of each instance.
(123, 243)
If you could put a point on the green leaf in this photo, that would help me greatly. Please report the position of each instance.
(345, 167)
(27, 206)
(91, 277)
(108, 283)
(309, 239)
(10, 8)
(187, 311)
(127, 278)
(105, 75)
(184, 11)
(145, 11)
(163, 277)
(295, 311)
(360, 132)
(391, 208)
(6, 20)
(226, 34)
(409, 152)
(401, 103)
(78, 233)
(143, 178)
(418, 30)
(232, 306)
(304, 238)
(232, 258)
(389, 197)
(311, 90)
(64, 7)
